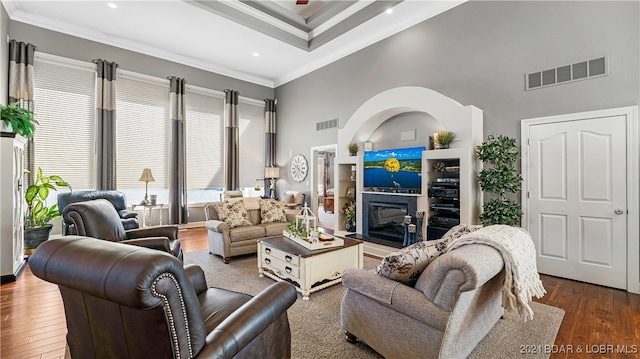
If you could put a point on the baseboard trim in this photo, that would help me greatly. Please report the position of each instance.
(8, 278)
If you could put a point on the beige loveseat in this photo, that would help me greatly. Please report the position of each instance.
(228, 242)
(453, 305)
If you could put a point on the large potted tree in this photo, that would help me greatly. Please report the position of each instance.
(499, 154)
(39, 214)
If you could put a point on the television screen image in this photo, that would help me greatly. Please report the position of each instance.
(394, 170)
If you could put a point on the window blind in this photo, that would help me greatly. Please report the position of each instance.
(64, 141)
(143, 131)
(251, 144)
(204, 146)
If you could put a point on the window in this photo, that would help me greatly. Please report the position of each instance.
(64, 141)
(204, 145)
(251, 144)
(143, 132)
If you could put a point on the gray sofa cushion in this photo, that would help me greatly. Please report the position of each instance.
(245, 232)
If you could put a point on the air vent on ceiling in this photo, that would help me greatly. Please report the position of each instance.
(568, 73)
(324, 125)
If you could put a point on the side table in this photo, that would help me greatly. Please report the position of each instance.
(146, 221)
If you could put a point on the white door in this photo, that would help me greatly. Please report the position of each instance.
(577, 199)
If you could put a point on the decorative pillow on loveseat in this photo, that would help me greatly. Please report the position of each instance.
(406, 265)
(272, 211)
(233, 213)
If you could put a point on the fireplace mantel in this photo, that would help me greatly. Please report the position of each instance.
(394, 194)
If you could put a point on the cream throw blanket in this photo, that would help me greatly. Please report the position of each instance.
(522, 280)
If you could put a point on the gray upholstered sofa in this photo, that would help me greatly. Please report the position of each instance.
(455, 302)
(229, 242)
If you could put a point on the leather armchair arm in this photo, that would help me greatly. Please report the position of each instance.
(169, 231)
(195, 274)
(248, 321)
(123, 213)
(217, 226)
(159, 243)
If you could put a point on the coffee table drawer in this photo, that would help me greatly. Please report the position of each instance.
(281, 255)
(281, 268)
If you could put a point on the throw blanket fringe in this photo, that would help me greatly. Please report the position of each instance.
(522, 280)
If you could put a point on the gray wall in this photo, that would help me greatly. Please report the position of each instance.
(60, 44)
(477, 54)
(4, 56)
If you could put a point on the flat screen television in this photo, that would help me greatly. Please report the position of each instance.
(395, 170)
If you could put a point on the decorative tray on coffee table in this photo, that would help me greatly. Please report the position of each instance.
(306, 223)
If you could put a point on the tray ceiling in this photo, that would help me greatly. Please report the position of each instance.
(264, 42)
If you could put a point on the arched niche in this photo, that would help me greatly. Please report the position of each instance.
(465, 121)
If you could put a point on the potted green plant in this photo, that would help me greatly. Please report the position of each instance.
(444, 139)
(18, 120)
(353, 148)
(349, 212)
(500, 177)
(39, 214)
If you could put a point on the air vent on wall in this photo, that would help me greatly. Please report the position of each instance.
(324, 125)
(568, 73)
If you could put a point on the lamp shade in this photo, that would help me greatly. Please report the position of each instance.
(272, 172)
(146, 176)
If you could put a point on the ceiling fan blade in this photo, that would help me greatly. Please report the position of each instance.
(302, 2)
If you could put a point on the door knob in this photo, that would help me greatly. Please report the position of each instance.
(619, 211)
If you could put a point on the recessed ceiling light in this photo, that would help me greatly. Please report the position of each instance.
(256, 54)
(112, 5)
(389, 11)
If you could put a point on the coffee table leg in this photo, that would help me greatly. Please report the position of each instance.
(305, 294)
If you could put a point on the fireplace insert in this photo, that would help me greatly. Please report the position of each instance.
(386, 220)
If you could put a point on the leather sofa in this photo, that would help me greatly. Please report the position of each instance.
(229, 242)
(118, 200)
(131, 302)
(456, 301)
(98, 219)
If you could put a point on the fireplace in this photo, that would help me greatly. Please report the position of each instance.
(383, 216)
(386, 220)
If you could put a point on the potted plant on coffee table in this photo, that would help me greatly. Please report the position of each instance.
(39, 214)
(18, 120)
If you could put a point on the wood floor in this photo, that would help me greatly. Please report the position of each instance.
(601, 320)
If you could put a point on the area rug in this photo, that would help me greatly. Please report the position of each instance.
(315, 324)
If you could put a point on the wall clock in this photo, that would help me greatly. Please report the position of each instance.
(299, 168)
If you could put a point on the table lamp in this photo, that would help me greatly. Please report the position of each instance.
(272, 173)
(146, 177)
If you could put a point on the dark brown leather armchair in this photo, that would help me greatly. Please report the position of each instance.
(99, 219)
(118, 200)
(131, 302)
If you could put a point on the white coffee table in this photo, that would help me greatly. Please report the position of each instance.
(310, 270)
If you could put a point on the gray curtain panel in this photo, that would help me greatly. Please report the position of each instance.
(270, 133)
(231, 140)
(269, 138)
(21, 56)
(177, 156)
(106, 124)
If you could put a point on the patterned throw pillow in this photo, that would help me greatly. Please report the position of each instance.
(233, 213)
(454, 233)
(272, 211)
(406, 265)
